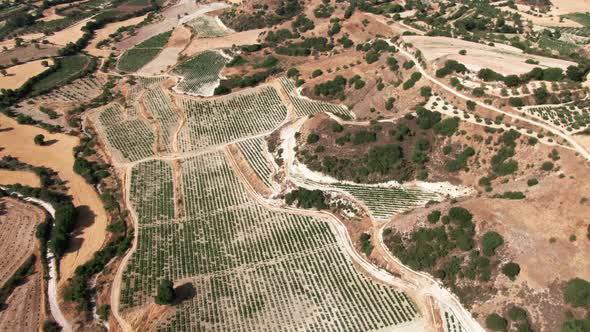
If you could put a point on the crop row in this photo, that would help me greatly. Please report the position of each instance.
(254, 150)
(206, 26)
(305, 107)
(200, 73)
(132, 137)
(226, 119)
(159, 105)
(141, 54)
(250, 268)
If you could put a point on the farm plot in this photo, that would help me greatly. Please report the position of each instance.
(304, 106)
(79, 90)
(18, 75)
(255, 152)
(200, 74)
(252, 268)
(451, 323)
(570, 118)
(159, 105)
(207, 26)
(226, 119)
(560, 46)
(130, 137)
(17, 235)
(143, 53)
(70, 66)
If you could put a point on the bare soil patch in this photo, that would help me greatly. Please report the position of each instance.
(24, 310)
(70, 34)
(8, 177)
(18, 75)
(238, 38)
(169, 55)
(90, 232)
(503, 59)
(105, 32)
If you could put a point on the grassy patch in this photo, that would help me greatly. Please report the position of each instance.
(582, 18)
(70, 66)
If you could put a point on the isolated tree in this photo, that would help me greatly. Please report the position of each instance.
(496, 322)
(45, 63)
(39, 139)
(577, 293)
(511, 270)
(3, 72)
(165, 294)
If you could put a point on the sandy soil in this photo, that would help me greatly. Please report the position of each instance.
(25, 178)
(10, 42)
(91, 230)
(70, 34)
(24, 310)
(105, 32)
(238, 38)
(49, 14)
(20, 74)
(561, 7)
(169, 55)
(18, 222)
(504, 59)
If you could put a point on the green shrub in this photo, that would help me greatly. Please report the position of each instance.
(547, 166)
(434, 216)
(313, 138)
(511, 270)
(532, 182)
(165, 293)
(517, 313)
(490, 242)
(496, 322)
(577, 293)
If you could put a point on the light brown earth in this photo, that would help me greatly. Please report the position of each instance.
(25, 178)
(70, 34)
(238, 38)
(561, 7)
(18, 221)
(105, 32)
(10, 42)
(169, 55)
(25, 307)
(503, 59)
(49, 14)
(90, 232)
(548, 20)
(18, 75)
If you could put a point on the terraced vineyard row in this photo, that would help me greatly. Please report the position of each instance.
(305, 107)
(141, 54)
(570, 118)
(132, 138)
(161, 108)
(200, 74)
(384, 202)
(255, 152)
(226, 119)
(77, 91)
(246, 263)
(206, 26)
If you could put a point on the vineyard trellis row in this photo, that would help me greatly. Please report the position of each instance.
(251, 268)
(200, 74)
(159, 105)
(131, 137)
(256, 153)
(223, 120)
(305, 107)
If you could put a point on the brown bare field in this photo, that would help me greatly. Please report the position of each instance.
(561, 7)
(70, 34)
(10, 43)
(24, 310)
(27, 53)
(503, 59)
(26, 178)
(49, 14)
(550, 19)
(105, 32)
(238, 38)
(18, 221)
(91, 230)
(20, 74)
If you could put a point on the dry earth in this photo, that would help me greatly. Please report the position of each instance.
(238, 38)
(104, 33)
(70, 34)
(503, 59)
(169, 55)
(25, 178)
(20, 74)
(57, 155)
(27, 53)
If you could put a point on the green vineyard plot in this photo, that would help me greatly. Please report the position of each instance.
(141, 54)
(200, 74)
(255, 152)
(161, 108)
(206, 26)
(131, 137)
(226, 119)
(251, 268)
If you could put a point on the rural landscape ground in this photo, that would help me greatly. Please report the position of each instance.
(295, 165)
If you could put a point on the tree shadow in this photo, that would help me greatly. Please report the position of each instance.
(6, 129)
(86, 218)
(50, 142)
(184, 292)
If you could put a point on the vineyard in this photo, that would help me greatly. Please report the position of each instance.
(200, 74)
(226, 119)
(141, 54)
(161, 108)
(256, 154)
(77, 91)
(305, 107)
(132, 138)
(570, 118)
(206, 26)
(247, 264)
(451, 323)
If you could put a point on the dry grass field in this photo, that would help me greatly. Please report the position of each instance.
(72, 33)
(27, 53)
(18, 75)
(503, 59)
(104, 34)
(8, 177)
(91, 230)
